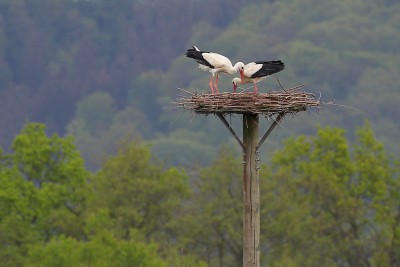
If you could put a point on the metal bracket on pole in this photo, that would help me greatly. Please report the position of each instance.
(222, 118)
(276, 121)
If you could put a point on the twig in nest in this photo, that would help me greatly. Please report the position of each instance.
(279, 83)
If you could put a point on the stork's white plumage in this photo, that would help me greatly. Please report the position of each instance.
(215, 64)
(257, 71)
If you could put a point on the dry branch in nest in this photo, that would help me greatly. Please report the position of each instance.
(291, 100)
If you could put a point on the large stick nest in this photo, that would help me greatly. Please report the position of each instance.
(291, 100)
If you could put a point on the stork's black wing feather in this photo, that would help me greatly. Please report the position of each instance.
(268, 68)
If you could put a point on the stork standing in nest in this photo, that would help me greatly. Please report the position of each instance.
(257, 71)
(215, 64)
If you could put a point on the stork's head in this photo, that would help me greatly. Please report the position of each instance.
(235, 82)
(240, 67)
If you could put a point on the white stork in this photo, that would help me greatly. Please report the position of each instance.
(257, 71)
(215, 64)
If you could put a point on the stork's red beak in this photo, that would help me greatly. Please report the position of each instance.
(234, 87)
(241, 74)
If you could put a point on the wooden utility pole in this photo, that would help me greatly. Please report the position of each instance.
(250, 105)
(251, 192)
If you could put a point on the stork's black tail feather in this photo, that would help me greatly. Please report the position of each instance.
(193, 53)
(197, 55)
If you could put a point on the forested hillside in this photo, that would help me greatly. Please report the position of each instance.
(55, 53)
(324, 202)
(105, 70)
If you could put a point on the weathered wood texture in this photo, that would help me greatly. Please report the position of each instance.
(251, 192)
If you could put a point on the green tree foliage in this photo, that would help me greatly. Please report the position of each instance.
(43, 192)
(98, 127)
(96, 112)
(104, 250)
(212, 226)
(55, 213)
(330, 204)
(324, 202)
(138, 193)
(185, 148)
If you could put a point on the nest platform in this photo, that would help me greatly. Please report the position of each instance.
(286, 101)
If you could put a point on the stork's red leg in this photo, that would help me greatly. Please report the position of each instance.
(255, 88)
(211, 84)
(216, 85)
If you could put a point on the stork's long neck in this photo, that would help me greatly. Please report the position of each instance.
(234, 69)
